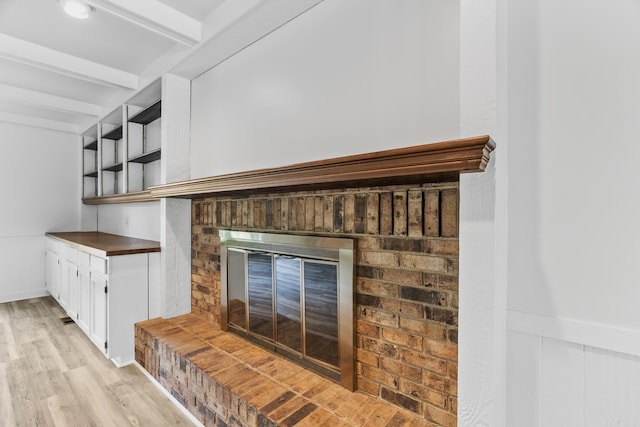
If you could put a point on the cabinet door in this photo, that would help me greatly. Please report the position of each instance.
(63, 292)
(84, 304)
(53, 274)
(73, 297)
(98, 322)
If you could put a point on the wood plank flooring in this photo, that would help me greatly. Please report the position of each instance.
(52, 375)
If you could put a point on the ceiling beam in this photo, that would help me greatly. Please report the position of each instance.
(39, 122)
(236, 25)
(155, 16)
(63, 63)
(50, 102)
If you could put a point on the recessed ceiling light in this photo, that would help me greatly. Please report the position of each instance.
(77, 9)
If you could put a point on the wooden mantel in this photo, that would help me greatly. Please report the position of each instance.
(421, 163)
(138, 196)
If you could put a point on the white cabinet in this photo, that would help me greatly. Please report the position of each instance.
(84, 291)
(73, 289)
(104, 295)
(64, 276)
(54, 271)
(98, 307)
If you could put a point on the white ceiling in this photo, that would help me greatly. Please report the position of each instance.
(62, 73)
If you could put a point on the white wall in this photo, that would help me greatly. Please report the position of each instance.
(547, 234)
(40, 192)
(574, 196)
(139, 220)
(573, 204)
(345, 77)
(483, 285)
(171, 295)
(559, 383)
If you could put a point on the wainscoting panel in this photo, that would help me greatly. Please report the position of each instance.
(562, 383)
(556, 383)
(612, 389)
(524, 366)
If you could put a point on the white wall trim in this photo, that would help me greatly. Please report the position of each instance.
(586, 333)
(19, 296)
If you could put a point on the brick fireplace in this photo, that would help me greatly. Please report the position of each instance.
(405, 233)
(406, 240)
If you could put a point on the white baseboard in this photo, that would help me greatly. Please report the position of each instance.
(173, 400)
(19, 296)
(590, 334)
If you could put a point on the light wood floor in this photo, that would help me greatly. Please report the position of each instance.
(52, 375)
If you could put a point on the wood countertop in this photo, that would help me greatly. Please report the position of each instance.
(105, 244)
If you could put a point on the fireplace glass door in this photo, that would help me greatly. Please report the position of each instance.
(293, 299)
(289, 301)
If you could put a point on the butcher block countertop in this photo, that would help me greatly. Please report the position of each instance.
(105, 244)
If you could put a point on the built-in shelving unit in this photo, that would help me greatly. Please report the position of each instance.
(122, 152)
(112, 146)
(144, 150)
(90, 163)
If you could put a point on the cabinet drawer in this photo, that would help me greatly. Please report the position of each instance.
(84, 259)
(69, 253)
(98, 264)
(53, 245)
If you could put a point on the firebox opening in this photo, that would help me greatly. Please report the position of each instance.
(292, 295)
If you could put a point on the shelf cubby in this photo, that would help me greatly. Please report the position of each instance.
(90, 162)
(115, 134)
(149, 157)
(148, 115)
(113, 168)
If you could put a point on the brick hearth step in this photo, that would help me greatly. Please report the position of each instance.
(224, 380)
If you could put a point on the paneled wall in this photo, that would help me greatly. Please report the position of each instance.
(554, 382)
(571, 122)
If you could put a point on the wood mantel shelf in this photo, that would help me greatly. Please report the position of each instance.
(138, 196)
(423, 163)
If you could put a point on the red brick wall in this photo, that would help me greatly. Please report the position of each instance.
(406, 278)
